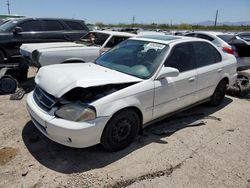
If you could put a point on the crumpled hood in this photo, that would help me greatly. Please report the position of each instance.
(59, 79)
(27, 49)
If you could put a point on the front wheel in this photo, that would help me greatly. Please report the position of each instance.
(120, 131)
(219, 93)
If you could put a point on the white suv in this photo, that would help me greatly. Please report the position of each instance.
(141, 80)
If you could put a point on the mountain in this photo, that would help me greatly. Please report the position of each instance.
(211, 23)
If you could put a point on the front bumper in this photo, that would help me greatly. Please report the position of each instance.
(68, 133)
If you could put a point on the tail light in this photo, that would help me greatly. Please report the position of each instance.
(230, 50)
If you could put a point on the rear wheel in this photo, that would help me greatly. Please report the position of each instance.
(120, 131)
(219, 93)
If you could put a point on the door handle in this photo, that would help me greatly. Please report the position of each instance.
(191, 79)
(219, 70)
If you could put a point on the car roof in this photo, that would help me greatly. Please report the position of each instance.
(44, 18)
(116, 33)
(166, 39)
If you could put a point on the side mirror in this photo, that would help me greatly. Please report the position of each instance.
(17, 30)
(167, 72)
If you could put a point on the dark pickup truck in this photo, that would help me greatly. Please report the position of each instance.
(15, 32)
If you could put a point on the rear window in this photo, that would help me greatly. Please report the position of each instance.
(52, 25)
(190, 35)
(206, 37)
(74, 25)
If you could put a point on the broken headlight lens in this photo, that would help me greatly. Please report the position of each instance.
(76, 112)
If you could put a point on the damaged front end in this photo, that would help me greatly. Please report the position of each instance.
(91, 94)
(75, 105)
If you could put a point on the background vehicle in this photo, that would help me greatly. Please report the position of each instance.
(32, 30)
(87, 49)
(215, 38)
(239, 46)
(140, 81)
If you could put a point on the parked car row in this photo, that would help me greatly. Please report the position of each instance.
(105, 86)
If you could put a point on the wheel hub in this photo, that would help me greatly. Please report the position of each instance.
(121, 130)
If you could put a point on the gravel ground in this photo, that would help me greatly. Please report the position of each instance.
(202, 147)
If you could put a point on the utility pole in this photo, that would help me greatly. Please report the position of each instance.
(216, 17)
(133, 21)
(8, 5)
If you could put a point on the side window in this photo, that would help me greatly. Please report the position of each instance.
(52, 25)
(181, 58)
(205, 37)
(74, 25)
(114, 41)
(206, 54)
(32, 25)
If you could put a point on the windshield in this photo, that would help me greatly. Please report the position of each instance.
(134, 57)
(7, 26)
(93, 38)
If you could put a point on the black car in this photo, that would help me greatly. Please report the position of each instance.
(35, 30)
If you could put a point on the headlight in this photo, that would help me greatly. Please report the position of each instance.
(76, 112)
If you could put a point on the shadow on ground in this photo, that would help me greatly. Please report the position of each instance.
(70, 160)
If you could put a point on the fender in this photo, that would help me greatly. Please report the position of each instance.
(109, 109)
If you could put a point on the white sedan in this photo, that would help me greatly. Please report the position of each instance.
(87, 49)
(136, 83)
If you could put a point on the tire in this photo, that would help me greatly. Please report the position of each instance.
(120, 131)
(241, 86)
(1, 57)
(8, 85)
(219, 93)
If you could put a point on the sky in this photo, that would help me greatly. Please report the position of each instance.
(144, 11)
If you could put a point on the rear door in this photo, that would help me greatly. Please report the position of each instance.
(75, 30)
(172, 94)
(53, 31)
(209, 69)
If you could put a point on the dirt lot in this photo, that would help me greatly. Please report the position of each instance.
(202, 147)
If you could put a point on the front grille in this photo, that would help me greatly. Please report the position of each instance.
(43, 99)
